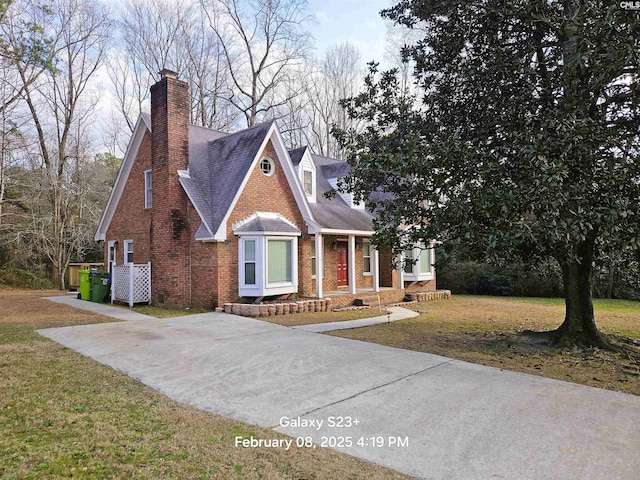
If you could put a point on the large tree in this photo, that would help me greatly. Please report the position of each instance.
(61, 105)
(522, 141)
(263, 43)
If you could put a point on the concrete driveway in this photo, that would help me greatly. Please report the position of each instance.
(420, 414)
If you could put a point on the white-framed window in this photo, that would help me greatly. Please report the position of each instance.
(249, 262)
(279, 261)
(366, 257)
(268, 265)
(148, 198)
(418, 263)
(128, 251)
(111, 256)
(267, 166)
(425, 261)
(307, 182)
(313, 258)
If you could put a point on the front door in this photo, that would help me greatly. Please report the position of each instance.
(343, 274)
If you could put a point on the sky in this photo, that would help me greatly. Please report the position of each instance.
(336, 21)
(355, 21)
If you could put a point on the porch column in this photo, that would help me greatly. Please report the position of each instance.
(352, 264)
(375, 265)
(319, 264)
(401, 273)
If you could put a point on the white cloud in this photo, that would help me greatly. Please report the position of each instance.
(322, 17)
(371, 24)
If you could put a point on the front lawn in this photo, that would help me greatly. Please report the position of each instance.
(63, 415)
(486, 330)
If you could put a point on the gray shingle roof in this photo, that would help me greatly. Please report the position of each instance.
(335, 170)
(217, 169)
(296, 155)
(219, 162)
(335, 213)
(261, 224)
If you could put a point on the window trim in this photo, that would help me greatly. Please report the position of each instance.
(415, 274)
(364, 256)
(263, 287)
(272, 166)
(148, 188)
(281, 283)
(244, 261)
(311, 193)
(125, 251)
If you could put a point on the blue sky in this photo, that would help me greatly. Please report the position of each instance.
(355, 21)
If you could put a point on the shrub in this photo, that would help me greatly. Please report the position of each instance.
(19, 278)
(491, 284)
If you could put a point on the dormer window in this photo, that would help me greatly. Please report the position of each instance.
(308, 182)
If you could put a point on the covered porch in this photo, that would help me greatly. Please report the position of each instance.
(365, 297)
(350, 266)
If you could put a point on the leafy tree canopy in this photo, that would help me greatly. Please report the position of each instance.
(24, 40)
(522, 142)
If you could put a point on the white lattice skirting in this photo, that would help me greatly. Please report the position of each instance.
(131, 283)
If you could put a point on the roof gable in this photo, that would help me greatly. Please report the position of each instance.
(216, 179)
(143, 125)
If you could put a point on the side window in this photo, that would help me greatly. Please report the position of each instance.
(128, 251)
(366, 254)
(408, 265)
(148, 189)
(249, 262)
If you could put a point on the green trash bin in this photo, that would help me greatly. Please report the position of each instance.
(99, 286)
(85, 284)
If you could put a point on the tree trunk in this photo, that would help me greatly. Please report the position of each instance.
(579, 326)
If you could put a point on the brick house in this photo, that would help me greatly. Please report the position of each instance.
(224, 216)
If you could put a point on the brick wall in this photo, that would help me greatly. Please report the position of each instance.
(170, 226)
(204, 268)
(424, 286)
(261, 194)
(388, 273)
(131, 221)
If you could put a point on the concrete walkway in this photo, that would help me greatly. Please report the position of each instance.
(424, 415)
(101, 308)
(395, 313)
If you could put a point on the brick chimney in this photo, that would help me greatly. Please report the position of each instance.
(170, 230)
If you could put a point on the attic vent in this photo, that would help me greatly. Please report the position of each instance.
(267, 167)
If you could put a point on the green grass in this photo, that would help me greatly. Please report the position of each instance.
(63, 415)
(487, 330)
(599, 304)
